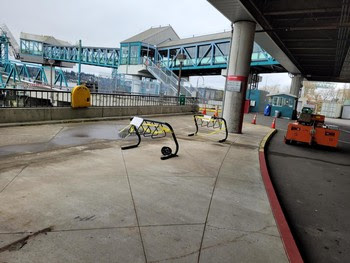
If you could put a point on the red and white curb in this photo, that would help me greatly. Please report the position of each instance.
(289, 244)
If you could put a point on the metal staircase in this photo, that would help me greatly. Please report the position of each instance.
(12, 40)
(168, 78)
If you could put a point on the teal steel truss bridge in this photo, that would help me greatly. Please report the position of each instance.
(205, 55)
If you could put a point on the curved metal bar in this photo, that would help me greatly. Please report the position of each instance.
(158, 131)
(173, 136)
(226, 131)
(176, 143)
(138, 136)
(195, 122)
(216, 120)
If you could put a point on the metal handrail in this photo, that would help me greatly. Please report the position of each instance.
(160, 74)
(19, 98)
(170, 77)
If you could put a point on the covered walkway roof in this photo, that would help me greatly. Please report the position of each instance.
(307, 37)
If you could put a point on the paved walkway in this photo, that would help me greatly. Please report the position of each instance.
(107, 205)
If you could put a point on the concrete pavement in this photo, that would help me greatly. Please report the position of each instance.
(107, 205)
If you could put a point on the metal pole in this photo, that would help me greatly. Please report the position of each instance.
(179, 83)
(79, 61)
(51, 76)
(51, 62)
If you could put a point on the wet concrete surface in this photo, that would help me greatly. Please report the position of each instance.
(66, 135)
(312, 184)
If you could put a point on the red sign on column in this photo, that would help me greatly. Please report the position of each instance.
(234, 83)
(236, 78)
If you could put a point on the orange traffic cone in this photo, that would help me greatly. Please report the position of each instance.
(205, 110)
(254, 119)
(273, 124)
(216, 113)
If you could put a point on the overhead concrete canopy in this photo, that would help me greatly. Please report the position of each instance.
(307, 37)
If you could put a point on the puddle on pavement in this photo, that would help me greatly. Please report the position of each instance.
(68, 136)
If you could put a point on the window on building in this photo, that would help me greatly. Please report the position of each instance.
(124, 55)
(281, 101)
(275, 101)
(134, 54)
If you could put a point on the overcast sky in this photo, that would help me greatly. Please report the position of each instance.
(108, 22)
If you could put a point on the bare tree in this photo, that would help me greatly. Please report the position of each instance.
(273, 89)
(309, 88)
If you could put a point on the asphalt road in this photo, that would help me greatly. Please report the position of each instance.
(312, 184)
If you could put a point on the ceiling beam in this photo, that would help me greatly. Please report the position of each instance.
(307, 39)
(306, 28)
(316, 60)
(312, 48)
(313, 18)
(309, 64)
(313, 55)
(303, 11)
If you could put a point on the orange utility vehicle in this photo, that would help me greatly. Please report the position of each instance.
(310, 128)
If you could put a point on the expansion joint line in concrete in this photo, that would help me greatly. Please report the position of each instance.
(133, 202)
(53, 137)
(104, 228)
(3, 189)
(211, 199)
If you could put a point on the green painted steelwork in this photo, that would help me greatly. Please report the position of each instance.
(19, 71)
(207, 55)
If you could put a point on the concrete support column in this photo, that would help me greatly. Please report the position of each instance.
(136, 84)
(297, 83)
(238, 72)
(50, 75)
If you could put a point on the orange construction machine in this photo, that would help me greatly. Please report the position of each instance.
(310, 128)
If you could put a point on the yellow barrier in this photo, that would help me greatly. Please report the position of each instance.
(145, 129)
(209, 110)
(80, 97)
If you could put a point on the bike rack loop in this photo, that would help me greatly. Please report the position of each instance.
(159, 130)
(216, 123)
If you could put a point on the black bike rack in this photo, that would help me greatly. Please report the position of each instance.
(213, 122)
(154, 129)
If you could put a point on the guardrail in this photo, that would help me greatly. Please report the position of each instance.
(19, 98)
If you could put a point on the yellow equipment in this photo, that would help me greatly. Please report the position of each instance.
(80, 97)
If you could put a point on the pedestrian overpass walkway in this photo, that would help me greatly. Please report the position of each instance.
(208, 52)
(152, 53)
